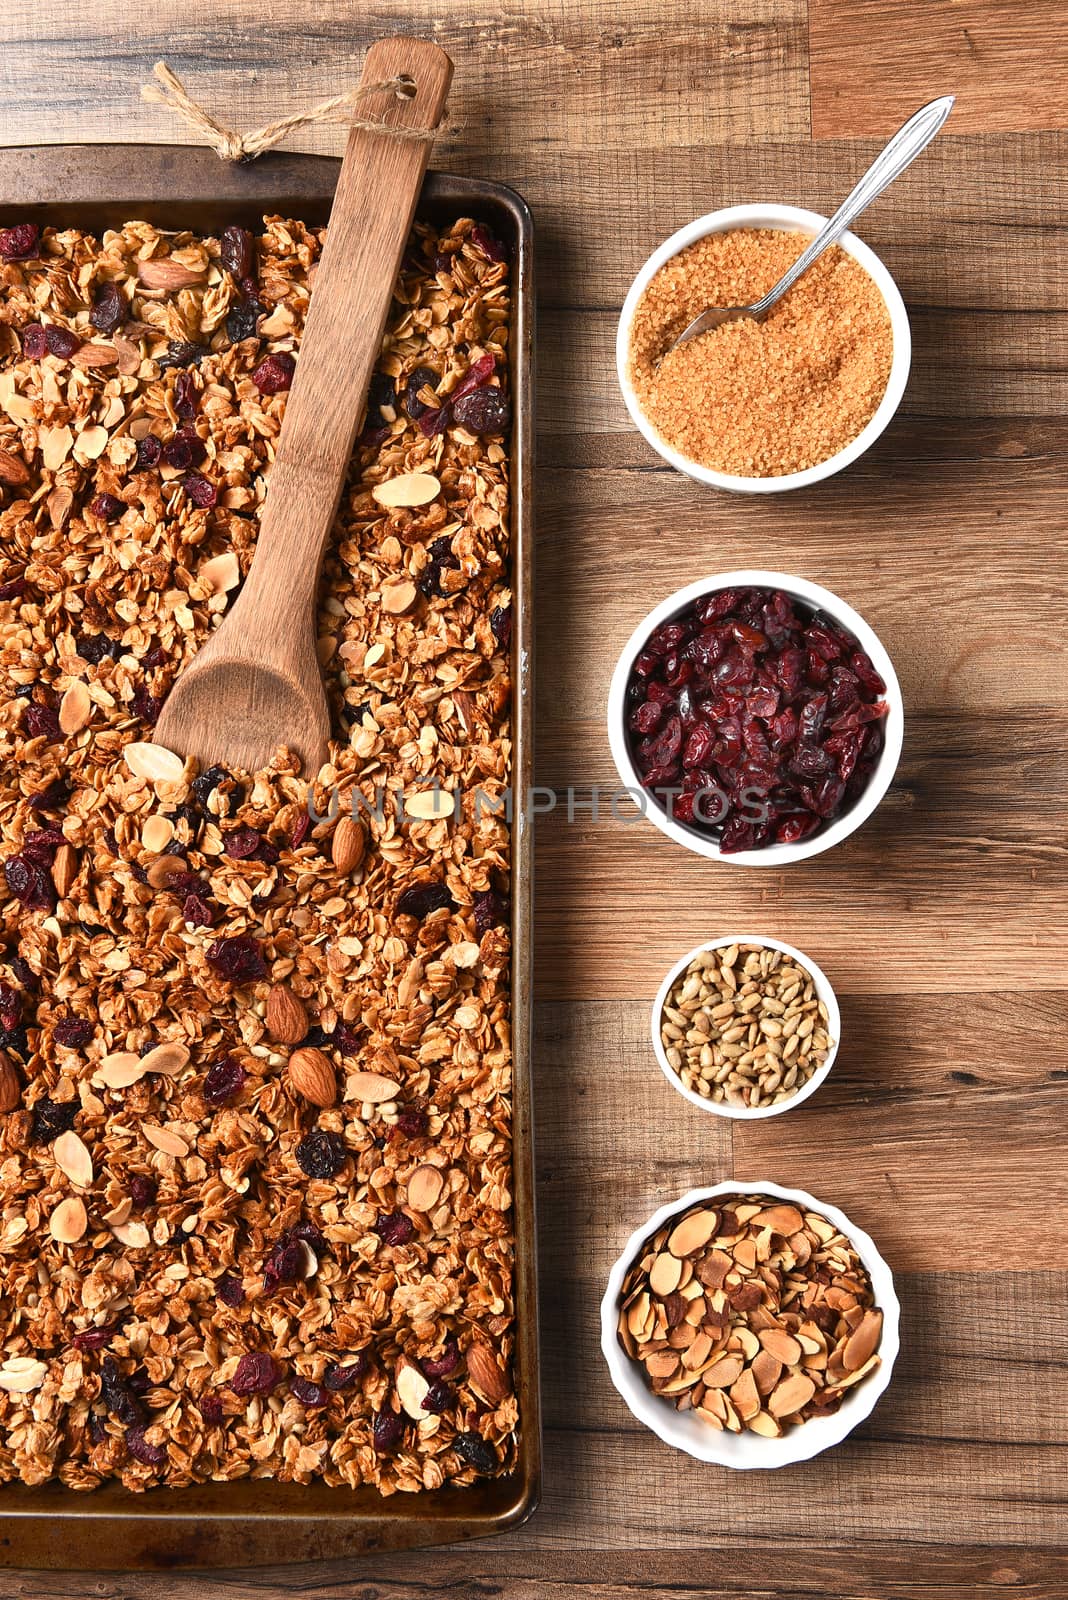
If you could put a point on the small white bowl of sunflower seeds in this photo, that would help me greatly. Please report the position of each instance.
(746, 1026)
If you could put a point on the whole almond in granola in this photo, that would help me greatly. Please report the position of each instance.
(751, 1313)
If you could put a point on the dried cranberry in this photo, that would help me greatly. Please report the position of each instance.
(97, 647)
(483, 411)
(200, 490)
(13, 590)
(23, 972)
(183, 353)
(420, 899)
(230, 1290)
(446, 1363)
(107, 506)
(491, 247)
(223, 1080)
(61, 342)
(108, 310)
(34, 341)
(472, 1448)
(95, 1338)
(238, 958)
(149, 1455)
(51, 1118)
(243, 844)
(20, 242)
(116, 1394)
(97, 1429)
(143, 1190)
(41, 845)
(72, 1032)
(501, 625)
(237, 252)
(388, 1431)
(10, 1007)
(478, 373)
(285, 1264)
(211, 1409)
(145, 705)
(257, 1373)
(183, 450)
(431, 423)
(275, 373)
(421, 378)
(206, 782)
(395, 1228)
(186, 396)
(243, 320)
(492, 910)
(41, 722)
(309, 1393)
(338, 1377)
(321, 1154)
(301, 830)
(30, 883)
(149, 450)
(438, 1398)
(381, 397)
(412, 1124)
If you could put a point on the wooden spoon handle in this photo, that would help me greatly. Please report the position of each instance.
(374, 203)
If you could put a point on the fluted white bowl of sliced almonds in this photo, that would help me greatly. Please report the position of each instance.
(722, 1336)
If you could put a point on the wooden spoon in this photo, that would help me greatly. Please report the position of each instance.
(256, 683)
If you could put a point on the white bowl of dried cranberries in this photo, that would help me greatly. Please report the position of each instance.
(756, 718)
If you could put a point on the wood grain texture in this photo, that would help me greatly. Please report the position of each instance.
(257, 681)
(942, 923)
(872, 64)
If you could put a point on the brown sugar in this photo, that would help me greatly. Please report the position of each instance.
(764, 399)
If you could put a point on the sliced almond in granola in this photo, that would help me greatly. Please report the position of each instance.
(166, 1058)
(398, 596)
(165, 1139)
(134, 1235)
(863, 1341)
(72, 1157)
(429, 804)
(74, 708)
(371, 1086)
(154, 762)
(222, 572)
(424, 1187)
(157, 832)
(412, 1390)
(68, 1221)
(119, 1070)
(22, 1374)
(409, 489)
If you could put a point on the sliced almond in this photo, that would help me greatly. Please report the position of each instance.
(792, 1394)
(665, 1274)
(744, 1396)
(863, 1341)
(409, 489)
(154, 762)
(371, 1086)
(782, 1219)
(22, 1374)
(119, 1214)
(781, 1346)
(222, 572)
(157, 833)
(134, 1235)
(167, 1058)
(72, 1157)
(662, 1364)
(119, 1069)
(91, 443)
(692, 1232)
(398, 597)
(165, 1139)
(722, 1373)
(68, 1221)
(74, 708)
(424, 1187)
(412, 1390)
(430, 804)
(765, 1425)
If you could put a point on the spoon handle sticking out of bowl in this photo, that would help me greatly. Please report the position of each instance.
(256, 684)
(889, 164)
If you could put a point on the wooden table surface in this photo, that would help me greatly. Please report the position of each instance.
(942, 924)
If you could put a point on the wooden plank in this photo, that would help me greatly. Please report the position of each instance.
(871, 66)
(668, 72)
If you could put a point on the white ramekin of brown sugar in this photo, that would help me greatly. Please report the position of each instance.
(775, 407)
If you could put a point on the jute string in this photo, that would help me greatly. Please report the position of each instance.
(230, 145)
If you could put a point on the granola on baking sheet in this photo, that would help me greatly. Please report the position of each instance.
(255, 1156)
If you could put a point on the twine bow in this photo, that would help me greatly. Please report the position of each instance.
(230, 145)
